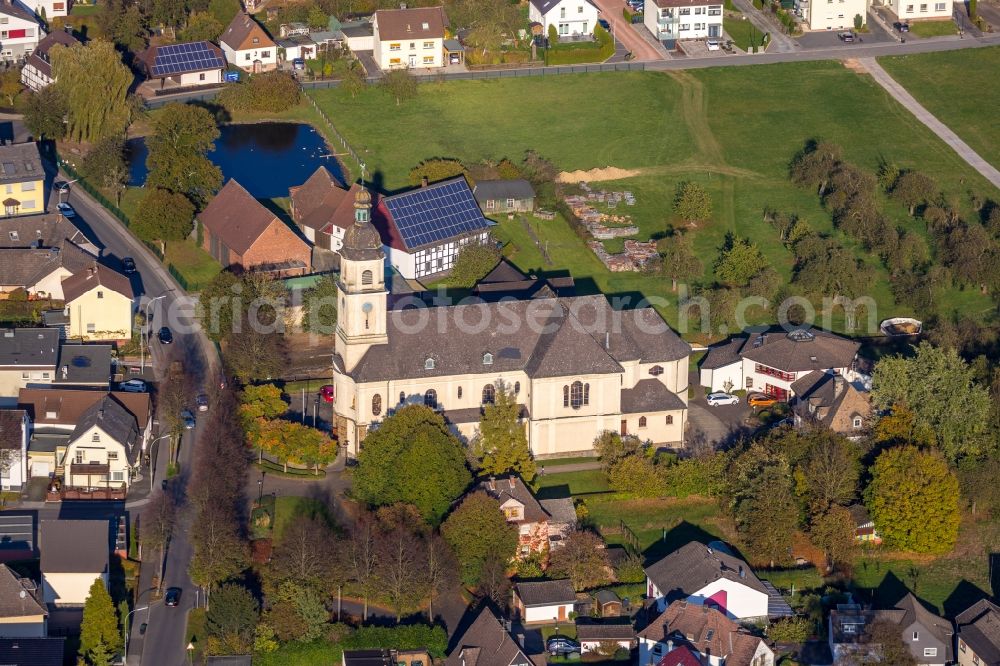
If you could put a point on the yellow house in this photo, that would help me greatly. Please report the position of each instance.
(99, 304)
(22, 179)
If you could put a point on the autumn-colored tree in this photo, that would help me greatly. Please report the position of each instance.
(157, 526)
(739, 262)
(501, 445)
(611, 447)
(913, 500)
(261, 401)
(477, 530)
(583, 559)
(833, 531)
(637, 476)
(437, 169)
(400, 85)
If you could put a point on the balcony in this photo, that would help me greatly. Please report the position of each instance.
(89, 469)
(771, 372)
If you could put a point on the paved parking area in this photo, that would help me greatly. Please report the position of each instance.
(698, 48)
(720, 426)
(825, 39)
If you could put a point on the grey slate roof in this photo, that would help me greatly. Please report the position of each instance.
(607, 596)
(723, 354)
(32, 651)
(604, 632)
(39, 58)
(812, 350)
(560, 509)
(694, 565)
(115, 420)
(979, 628)
(909, 611)
(25, 266)
(380, 657)
(84, 364)
(495, 190)
(17, 596)
(47, 442)
(649, 395)
(513, 487)
(20, 162)
(546, 592)
(11, 428)
(74, 546)
(544, 6)
(41, 231)
(29, 347)
(487, 643)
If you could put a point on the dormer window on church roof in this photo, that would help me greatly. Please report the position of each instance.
(429, 364)
(487, 359)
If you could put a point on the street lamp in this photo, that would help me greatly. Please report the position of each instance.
(260, 488)
(125, 629)
(142, 355)
(169, 434)
(65, 186)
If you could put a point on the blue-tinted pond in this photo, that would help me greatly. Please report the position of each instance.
(265, 158)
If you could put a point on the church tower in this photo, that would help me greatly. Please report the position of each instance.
(361, 294)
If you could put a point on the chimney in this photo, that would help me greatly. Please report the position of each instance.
(670, 646)
(492, 483)
(91, 271)
(423, 180)
(520, 640)
(607, 339)
(838, 385)
(100, 414)
(65, 371)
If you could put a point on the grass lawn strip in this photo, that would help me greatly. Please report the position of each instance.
(289, 507)
(934, 28)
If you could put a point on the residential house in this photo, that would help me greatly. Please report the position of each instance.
(409, 38)
(20, 32)
(84, 365)
(385, 657)
(544, 601)
(48, 9)
(701, 574)
(104, 450)
(573, 19)
(99, 303)
(358, 35)
(829, 400)
(29, 262)
(978, 635)
(576, 366)
(538, 528)
(929, 637)
(22, 612)
(845, 631)
(323, 210)
(248, 46)
(75, 553)
(32, 651)
(672, 20)
(771, 360)
(864, 526)
(501, 197)
(487, 643)
(22, 176)
(27, 356)
(717, 640)
(424, 229)
(917, 10)
(15, 429)
(834, 14)
(238, 231)
(505, 281)
(185, 65)
(37, 71)
(591, 635)
(680, 656)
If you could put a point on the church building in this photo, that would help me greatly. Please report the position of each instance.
(576, 366)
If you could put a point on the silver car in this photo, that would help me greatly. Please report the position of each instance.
(716, 399)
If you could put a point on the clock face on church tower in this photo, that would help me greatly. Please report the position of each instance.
(366, 307)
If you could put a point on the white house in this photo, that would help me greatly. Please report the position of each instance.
(544, 601)
(703, 575)
(48, 9)
(185, 65)
(20, 31)
(15, 429)
(835, 14)
(248, 46)
(592, 635)
(104, 449)
(409, 38)
(37, 71)
(714, 638)
(572, 18)
(22, 613)
(670, 20)
(323, 210)
(75, 553)
(915, 10)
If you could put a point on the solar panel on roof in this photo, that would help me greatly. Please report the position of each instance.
(437, 213)
(180, 58)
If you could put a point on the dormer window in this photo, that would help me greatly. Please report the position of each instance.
(487, 359)
(425, 26)
(656, 370)
(429, 364)
(857, 422)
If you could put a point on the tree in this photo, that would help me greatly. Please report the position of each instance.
(413, 458)
(163, 215)
(298, 613)
(182, 135)
(679, 260)
(913, 500)
(317, 17)
(218, 309)
(219, 552)
(760, 493)
(692, 203)
(10, 85)
(886, 637)
(913, 188)
(611, 447)
(45, 113)
(739, 262)
(826, 465)
(100, 635)
(636, 476)
(501, 444)
(232, 619)
(319, 307)
(105, 166)
(474, 261)
(939, 388)
(95, 85)
(293, 442)
(251, 355)
(157, 526)
(583, 559)
(553, 35)
(814, 166)
(400, 85)
(361, 556)
(790, 630)
(224, 10)
(307, 553)
(202, 26)
(833, 531)
(353, 80)
(441, 570)
(402, 568)
(269, 92)
(859, 21)
(171, 14)
(261, 401)
(477, 530)
(437, 169)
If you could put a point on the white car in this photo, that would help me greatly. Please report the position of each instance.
(713, 45)
(716, 399)
(133, 386)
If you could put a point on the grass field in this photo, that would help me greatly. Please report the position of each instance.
(933, 28)
(289, 507)
(193, 264)
(743, 33)
(571, 483)
(956, 86)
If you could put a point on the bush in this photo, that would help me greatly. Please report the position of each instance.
(271, 92)
(636, 476)
(19, 295)
(790, 630)
(695, 477)
(400, 637)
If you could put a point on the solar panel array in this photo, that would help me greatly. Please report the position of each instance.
(436, 213)
(181, 58)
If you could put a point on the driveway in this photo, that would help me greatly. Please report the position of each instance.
(828, 39)
(780, 42)
(626, 33)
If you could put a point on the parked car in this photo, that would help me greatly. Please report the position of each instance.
(901, 27)
(604, 24)
(716, 399)
(133, 386)
(142, 628)
(327, 393)
(172, 597)
(298, 63)
(846, 37)
(713, 44)
(165, 336)
(761, 400)
(66, 210)
(62, 187)
(561, 646)
(188, 418)
(128, 265)
(202, 402)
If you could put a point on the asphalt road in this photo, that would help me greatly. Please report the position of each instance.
(164, 641)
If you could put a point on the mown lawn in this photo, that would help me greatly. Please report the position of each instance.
(195, 266)
(743, 33)
(933, 28)
(566, 484)
(289, 507)
(956, 86)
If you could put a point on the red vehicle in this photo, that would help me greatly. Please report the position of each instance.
(327, 393)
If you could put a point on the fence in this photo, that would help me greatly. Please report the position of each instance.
(340, 137)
